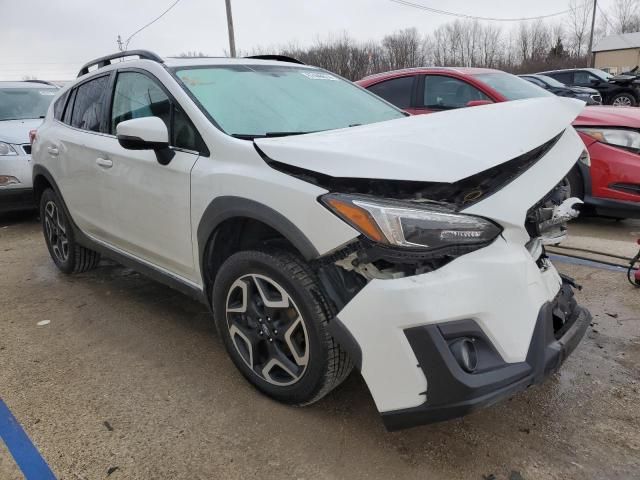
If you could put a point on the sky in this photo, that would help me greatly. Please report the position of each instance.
(51, 39)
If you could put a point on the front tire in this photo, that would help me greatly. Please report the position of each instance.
(69, 256)
(623, 100)
(273, 319)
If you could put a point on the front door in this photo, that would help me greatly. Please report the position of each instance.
(149, 203)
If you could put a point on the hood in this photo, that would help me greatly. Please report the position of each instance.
(17, 131)
(609, 116)
(445, 147)
(591, 91)
(622, 78)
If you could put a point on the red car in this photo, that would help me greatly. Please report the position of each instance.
(609, 184)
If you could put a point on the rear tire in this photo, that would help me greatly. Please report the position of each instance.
(69, 256)
(623, 100)
(273, 319)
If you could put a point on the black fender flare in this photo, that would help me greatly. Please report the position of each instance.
(41, 171)
(227, 207)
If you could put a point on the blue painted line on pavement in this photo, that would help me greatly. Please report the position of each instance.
(24, 452)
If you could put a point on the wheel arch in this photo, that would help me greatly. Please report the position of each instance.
(230, 224)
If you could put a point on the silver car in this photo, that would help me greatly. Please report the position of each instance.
(23, 105)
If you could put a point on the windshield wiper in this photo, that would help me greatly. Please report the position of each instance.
(251, 136)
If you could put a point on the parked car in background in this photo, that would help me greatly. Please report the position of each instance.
(323, 226)
(618, 90)
(23, 105)
(608, 180)
(588, 95)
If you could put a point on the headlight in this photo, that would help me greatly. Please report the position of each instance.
(6, 149)
(619, 137)
(413, 226)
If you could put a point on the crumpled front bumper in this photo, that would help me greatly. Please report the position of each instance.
(452, 392)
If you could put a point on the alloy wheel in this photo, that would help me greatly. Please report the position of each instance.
(267, 329)
(622, 102)
(56, 232)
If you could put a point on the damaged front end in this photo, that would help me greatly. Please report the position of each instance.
(417, 234)
(547, 220)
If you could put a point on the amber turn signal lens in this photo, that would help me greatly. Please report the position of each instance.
(359, 218)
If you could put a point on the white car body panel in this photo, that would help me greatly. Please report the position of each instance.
(446, 147)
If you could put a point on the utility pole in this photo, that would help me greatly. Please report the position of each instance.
(120, 44)
(591, 56)
(232, 40)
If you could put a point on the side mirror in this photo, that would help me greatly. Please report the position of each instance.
(147, 133)
(477, 103)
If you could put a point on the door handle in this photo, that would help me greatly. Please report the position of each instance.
(53, 151)
(104, 162)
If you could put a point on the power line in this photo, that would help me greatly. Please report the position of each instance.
(126, 42)
(474, 17)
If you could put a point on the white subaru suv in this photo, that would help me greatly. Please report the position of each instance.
(324, 227)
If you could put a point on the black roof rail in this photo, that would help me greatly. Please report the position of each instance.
(41, 81)
(278, 58)
(104, 61)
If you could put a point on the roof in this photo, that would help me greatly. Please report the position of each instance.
(460, 70)
(34, 85)
(622, 41)
(109, 62)
(202, 61)
(597, 71)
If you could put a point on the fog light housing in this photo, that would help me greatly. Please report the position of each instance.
(6, 180)
(465, 353)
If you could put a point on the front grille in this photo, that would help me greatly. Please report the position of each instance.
(26, 148)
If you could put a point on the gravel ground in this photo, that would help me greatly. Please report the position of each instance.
(129, 380)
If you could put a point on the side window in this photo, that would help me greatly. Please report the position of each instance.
(58, 107)
(564, 77)
(581, 77)
(445, 93)
(396, 91)
(66, 118)
(184, 133)
(137, 96)
(88, 106)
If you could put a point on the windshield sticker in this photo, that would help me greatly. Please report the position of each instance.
(319, 76)
(46, 92)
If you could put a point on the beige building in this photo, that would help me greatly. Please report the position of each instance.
(618, 53)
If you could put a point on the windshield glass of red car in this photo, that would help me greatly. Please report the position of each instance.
(512, 87)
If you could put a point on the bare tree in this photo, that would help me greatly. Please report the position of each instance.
(578, 25)
(626, 16)
(403, 49)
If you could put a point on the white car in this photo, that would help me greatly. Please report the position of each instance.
(324, 227)
(22, 108)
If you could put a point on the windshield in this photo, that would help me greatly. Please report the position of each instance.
(512, 87)
(263, 100)
(601, 74)
(552, 82)
(25, 103)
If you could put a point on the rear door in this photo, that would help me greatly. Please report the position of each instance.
(78, 145)
(149, 203)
